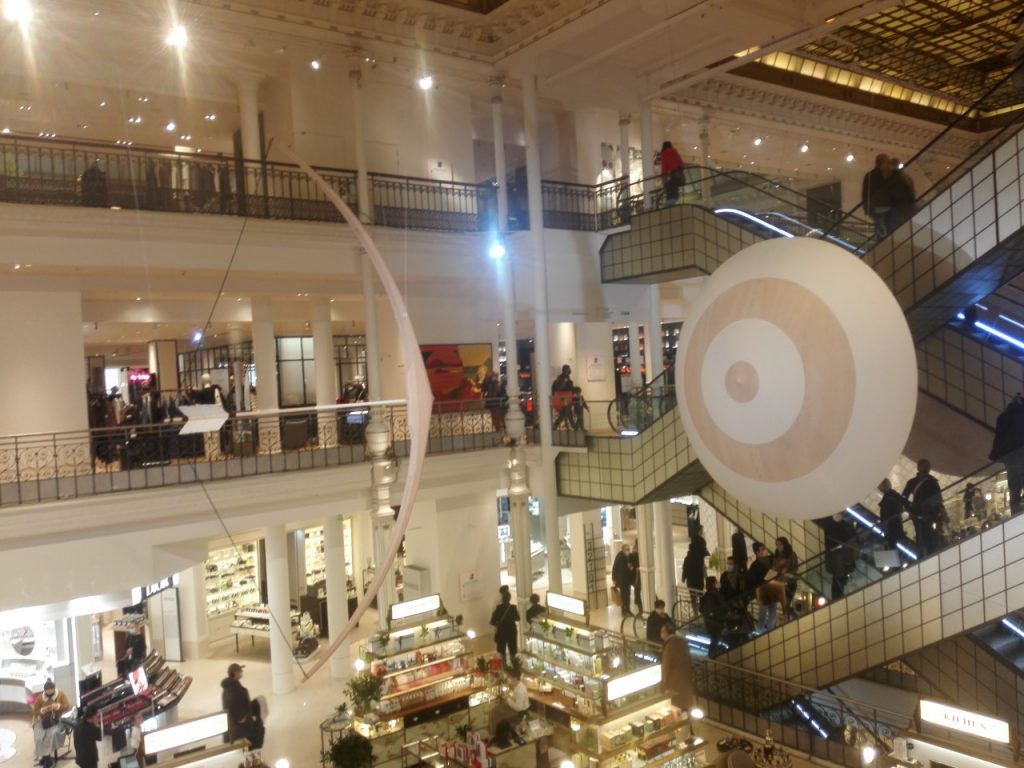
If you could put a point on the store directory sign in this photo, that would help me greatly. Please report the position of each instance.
(983, 727)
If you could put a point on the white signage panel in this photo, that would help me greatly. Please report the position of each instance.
(567, 604)
(987, 728)
(410, 608)
(642, 679)
(190, 732)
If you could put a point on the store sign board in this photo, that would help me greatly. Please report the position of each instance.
(987, 728)
(422, 605)
(142, 593)
(189, 732)
(642, 679)
(567, 604)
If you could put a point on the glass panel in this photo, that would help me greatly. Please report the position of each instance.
(290, 382)
(289, 348)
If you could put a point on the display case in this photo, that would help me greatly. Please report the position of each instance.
(255, 622)
(429, 688)
(232, 579)
(316, 569)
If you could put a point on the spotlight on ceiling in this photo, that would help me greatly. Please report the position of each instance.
(18, 11)
(426, 82)
(850, 157)
(758, 141)
(177, 37)
(315, 64)
(171, 125)
(804, 147)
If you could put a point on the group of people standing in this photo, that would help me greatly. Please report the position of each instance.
(888, 195)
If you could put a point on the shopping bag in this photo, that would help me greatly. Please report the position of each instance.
(616, 596)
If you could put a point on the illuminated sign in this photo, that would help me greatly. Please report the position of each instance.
(142, 593)
(955, 719)
(567, 604)
(410, 608)
(189, 732)
(648, 677)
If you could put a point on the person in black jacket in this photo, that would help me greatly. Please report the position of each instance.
(758, 569)
(536, 610)
(659, 616)
(733, 586)
(739, 551)
(876, 194)
(633, 573)
(234, 698)
(693, 573)
(713, 610)
(504, 619)
(1008, 448)
(890, 512)
(622, 578)
(87, 734)
(924, 497)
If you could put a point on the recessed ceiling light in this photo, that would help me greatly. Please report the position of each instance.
(314, 64)
(171, 125)
(426, 82)
(18, 11)
(177, 37)
(758, 141)
(103, 103)
(211, 117)
(850, 158)
(138, 298)
(804, 147)
(5, 131)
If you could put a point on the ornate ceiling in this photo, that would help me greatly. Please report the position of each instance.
(953, 49)
(480, 6)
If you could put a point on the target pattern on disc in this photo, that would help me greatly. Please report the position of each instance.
(814, 417)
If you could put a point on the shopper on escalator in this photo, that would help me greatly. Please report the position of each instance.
(1008, 448)
(658, 618)
(694, 573)
(890, 512)
(786, 564)
(671, 172)
(924, 496)
(713, 611)
(876, 195)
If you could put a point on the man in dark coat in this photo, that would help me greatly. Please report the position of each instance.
(876, 194)
(87, 734)
(1008, 448)
(890, 512)
(622, 578)
(234, 698)
(923, 494)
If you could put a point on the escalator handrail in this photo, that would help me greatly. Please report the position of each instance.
(942, 134)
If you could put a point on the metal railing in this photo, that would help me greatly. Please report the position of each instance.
(61, 465)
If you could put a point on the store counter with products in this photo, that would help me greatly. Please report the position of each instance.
(604, 704)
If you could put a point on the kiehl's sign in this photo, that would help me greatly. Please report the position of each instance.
(955, 719)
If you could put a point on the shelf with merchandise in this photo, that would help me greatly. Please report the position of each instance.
(231, 579)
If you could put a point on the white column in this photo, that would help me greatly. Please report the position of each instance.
(337, 590)
(500, 170)
(355, 78)
(624, 146)
(665, 576)
(635, 358)
(652, 335)
(163, 361)
(326, 370)
(248, 86)
(645, 547)
(542, 356)
(41, 334)
(195, 630)
(578, 529)
(264, 352)
(281, 659)
(373, 382)
(519, 521)
(647, 149)
(705, 159)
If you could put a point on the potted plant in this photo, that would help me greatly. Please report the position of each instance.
(545, 626)
(362, 689)
(351, 750)
(569, 632)
(385, 638)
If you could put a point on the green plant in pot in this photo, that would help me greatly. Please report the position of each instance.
(385, 638)
(363, 688)
(545, 626)
(351, 750)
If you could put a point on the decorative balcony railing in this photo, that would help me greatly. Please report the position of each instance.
(56, 172)
(61, 465)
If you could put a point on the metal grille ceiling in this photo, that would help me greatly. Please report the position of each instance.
(956, 48)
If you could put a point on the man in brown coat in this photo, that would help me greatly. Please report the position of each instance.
(676, 675)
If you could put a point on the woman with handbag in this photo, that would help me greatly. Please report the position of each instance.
(47, 728)
(504, 619)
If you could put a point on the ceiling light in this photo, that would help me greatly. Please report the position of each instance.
(186, 137)
(170, 126)
(138, 298)
(758, 141)
(211, 117)
(5, 131)
(197, 337)
(849, 157)
(426, 82)
(314, 64)
(103, 103)
(18, 11)
(804, 147)
(496, 251)
(868, 754)
(177, 37)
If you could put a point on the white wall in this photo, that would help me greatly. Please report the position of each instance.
(42, 377)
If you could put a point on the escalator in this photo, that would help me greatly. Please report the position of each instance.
(1005, 639)
(889, 612)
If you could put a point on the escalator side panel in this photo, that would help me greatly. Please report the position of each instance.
(963, 587)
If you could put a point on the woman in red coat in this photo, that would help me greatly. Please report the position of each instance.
(671, 172)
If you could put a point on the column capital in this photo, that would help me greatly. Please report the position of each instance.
(625, 119)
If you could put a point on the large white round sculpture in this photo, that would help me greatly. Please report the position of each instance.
(797, 378)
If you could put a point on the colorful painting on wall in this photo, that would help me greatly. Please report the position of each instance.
(455, 371)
